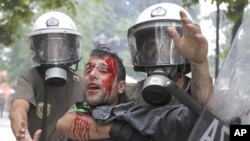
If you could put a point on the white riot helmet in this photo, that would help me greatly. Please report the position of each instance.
(55, 43)
(149, 42)
(55, 40)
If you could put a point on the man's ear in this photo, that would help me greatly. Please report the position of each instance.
(122, 86)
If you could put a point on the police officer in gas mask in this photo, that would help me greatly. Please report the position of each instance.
(166, 45)
(55, 45)
(155, 52)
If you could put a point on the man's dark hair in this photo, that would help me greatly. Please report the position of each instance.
(103, 52)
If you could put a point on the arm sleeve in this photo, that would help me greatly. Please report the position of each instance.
(122, 131)
(28, 86)
(161, 123)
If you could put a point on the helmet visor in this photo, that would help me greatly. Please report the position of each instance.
(154, 47)
(55, 48)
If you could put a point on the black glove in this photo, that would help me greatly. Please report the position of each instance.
(122, 131)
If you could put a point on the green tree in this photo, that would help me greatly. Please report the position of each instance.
(234, 11)
(111, 17)
(18, 12)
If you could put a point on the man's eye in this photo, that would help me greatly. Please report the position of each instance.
(87, 71)
(103, 71)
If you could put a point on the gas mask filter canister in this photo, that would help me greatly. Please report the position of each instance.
(56, 76)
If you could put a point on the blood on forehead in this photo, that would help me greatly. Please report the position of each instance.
(112, 65)
(110, 61)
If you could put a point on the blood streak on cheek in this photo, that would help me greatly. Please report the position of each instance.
(108, 82)
(80, 126)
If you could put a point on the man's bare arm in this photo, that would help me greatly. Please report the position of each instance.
(194, 46)
(18, 115)
(82, 127)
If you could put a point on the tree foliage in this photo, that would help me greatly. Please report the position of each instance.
(93, 18)
(110, 17)
(14, 14)
(234, 11)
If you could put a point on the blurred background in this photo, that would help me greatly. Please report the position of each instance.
(104, 21)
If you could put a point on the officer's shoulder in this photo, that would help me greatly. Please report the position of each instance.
(30, 72)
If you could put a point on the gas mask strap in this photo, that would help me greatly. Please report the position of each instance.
(76, 67)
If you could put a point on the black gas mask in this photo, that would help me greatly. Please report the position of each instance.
(153, 91)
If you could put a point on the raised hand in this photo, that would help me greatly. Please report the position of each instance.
(192, 45)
